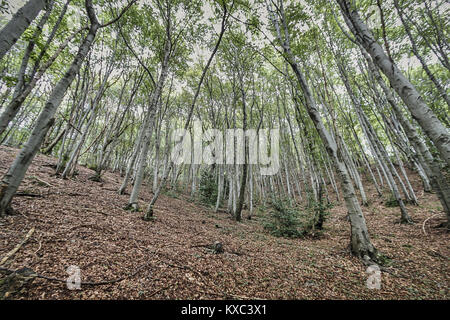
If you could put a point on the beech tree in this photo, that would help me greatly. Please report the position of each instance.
(430, 124)
(361, 107)
(12, 179)
(20, 21)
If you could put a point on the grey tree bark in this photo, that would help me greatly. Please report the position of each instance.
(20, 21)
(154, 103)
(361, 245)
(15, 104)
(426, 118)
(149, 212)
(12, 179)
(414, 48)
(430, 165)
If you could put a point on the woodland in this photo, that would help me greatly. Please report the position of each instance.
(118, 180)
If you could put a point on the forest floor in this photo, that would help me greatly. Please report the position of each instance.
(81, 222)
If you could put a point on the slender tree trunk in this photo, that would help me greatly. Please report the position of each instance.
(149, 211)
(134, 155)
(250, 190)
(14, 105)
(387, 166)
(414, 48)
(220, 187)
(240, 204)
(20, 21)
(71, 164)
(426, 118)
(361, 245)
(49, 148)
(432, 168)
(12, 179)
(154, 103)
(21, 82)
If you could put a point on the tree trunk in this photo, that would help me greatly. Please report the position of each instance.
(438, 181)
(426, 118)
(20, 21)
(12, 179)
(360, 243)
(414, 48)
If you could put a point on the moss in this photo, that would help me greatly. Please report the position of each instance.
(391, 202)
(150, 219)
(170, 193)
(384, 260)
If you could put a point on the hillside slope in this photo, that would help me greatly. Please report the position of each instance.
(81, 222)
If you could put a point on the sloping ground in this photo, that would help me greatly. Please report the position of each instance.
(81, 222)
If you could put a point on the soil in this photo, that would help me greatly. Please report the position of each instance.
(80, 222)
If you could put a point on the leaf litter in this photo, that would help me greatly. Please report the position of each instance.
(81, 222)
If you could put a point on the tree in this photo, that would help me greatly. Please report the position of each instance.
(12, 179)
(20, 21)
(430, 124)
(361, 245)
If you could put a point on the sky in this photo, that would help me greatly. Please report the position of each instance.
(201, 54)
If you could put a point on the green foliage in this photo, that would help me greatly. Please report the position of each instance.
(208, 188)
(170, 192)
(4, 7)
(9, 81)
(283, 220)
(384, 260)
(391, 202)
(320, 211)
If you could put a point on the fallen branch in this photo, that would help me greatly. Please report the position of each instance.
(17, 247)
(423, 224)
(41, 181)
(26, 194)
(86, 283)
